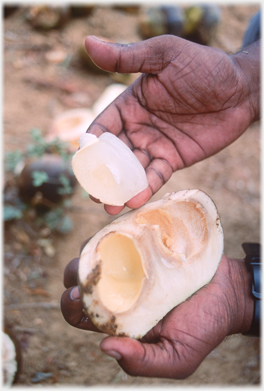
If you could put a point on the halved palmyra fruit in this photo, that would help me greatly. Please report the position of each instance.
(147, 261)
(107, 169)
(69, 125)
(108, 96)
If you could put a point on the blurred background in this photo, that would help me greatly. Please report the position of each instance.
(51, 93)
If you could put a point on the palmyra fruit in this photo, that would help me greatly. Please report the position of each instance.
(107, 169)
(147, 261)
(51, 189)
(68, 126)
(110, 93)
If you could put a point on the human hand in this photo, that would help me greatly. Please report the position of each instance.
(190, 102)
(178, 344)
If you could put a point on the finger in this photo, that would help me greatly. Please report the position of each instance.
(109, 119)
(149, 56)
(134, 203)
(158, 173)
(142, 359)
(113, 210)
(140, 199)
(72, 310)
(70, 273)
(94, 199)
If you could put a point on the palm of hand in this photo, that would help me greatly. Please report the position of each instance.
(184, 108)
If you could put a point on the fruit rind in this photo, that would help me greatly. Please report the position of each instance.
(172, 274)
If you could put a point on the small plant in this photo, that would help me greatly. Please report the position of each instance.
(37, 148)
(39, 178)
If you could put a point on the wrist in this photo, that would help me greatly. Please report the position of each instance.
(247, 65)
(241, 301)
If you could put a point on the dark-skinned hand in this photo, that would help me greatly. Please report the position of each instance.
(190, 102)
(178, 344)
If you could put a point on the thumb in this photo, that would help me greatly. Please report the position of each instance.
(149, 56)
(142, 359)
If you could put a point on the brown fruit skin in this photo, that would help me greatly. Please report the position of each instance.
(54, 166)
(47, 17)
(8, 10)
(81, 10)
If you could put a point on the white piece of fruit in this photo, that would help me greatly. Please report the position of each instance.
(107, 169)
(9, 360)
(110, 93)
(147, 261)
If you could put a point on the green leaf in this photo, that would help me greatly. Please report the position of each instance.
(35, 150)
(36, 135)
(11, 212)
(65, 225)
(84, 193)
(66, 189)
(12, 159)
(39, 177)
(67, 203)
(53, 217)
(56, 220)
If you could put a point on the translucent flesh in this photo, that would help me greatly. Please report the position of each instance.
(122, 273)
(103, 173)
(108, 170)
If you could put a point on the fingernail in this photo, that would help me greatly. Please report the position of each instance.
(99, 39)
(75, 293)
(113, 353)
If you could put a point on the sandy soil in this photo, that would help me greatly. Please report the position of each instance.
(35, 90)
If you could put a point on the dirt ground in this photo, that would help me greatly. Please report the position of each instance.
(35, 90)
